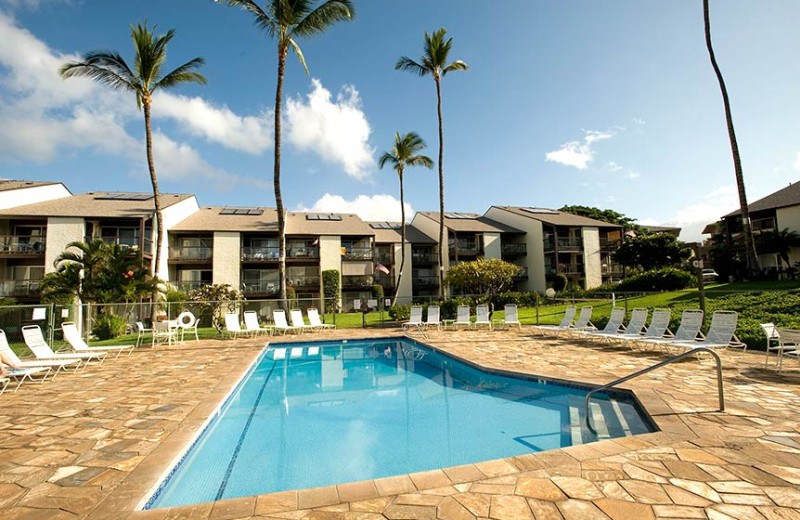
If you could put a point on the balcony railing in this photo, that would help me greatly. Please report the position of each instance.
(608, 244)
(260, 253)
(425, 281)
(522, 276)
(131, 242)
(21, 245)
(191, 285)
(465, 248)
(191, 253)
(384, 280)
(19, 287)
(302, 251)
(303, 281)
(356, 280)
(563, 243)
(514, 250)
(358, 253)
(384, 257)
(564, 269)
(260, 288)
(613, 269)
(764, 224)
(424, 258)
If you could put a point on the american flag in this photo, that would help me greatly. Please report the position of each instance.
(382, 268)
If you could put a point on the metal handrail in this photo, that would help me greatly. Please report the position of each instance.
(720, 390)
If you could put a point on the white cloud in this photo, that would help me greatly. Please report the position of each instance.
(32, 4)
(613, 166)
(250, 134)
(579, 154)
(368, 207)
(703, 210)
(337, 131)
(633, 174)
(796, 164)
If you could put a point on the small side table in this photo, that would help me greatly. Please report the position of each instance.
(447, 324)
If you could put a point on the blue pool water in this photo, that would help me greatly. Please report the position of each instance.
(323, 413)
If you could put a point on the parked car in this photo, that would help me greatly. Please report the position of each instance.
(709, 275)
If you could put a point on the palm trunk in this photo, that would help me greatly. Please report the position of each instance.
(441, 185)
(156, 195)
(277, 179)
(749, 243)
(402, 237)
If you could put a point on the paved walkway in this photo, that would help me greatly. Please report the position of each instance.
(90, 445)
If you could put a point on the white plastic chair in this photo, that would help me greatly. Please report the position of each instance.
(13, 359)
(511, 316)
(296, 315)
(73, 337)
(462, 317)
(566, 321)
(164, 331)
(35, 341)
(313, 319)
(688, 331)
(252, 325)
(232, 325)
(433, 317)
(279, 317)
(188, 322)
(140, 333)
(612, 328)
(415, 318)
(773, 338)
(482, 316)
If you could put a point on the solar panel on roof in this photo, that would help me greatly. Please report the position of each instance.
(540, 211)
(115, 195)
(382, 225)
(241, 211)
(323, 216)
(458, 215)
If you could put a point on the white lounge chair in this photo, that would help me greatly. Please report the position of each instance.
(233, 327)
(433, 317)
(279, 317)
(636, 325)
(252, 325)
(74, 339)
(19, 375)
(4, 381)
(415, 318)
(721, 334)
(582, 323)
(612, 328)
(511, 315)
(659, 328)
(462, 317)
(482, 316)
(187, 322)
(14, 361)
(313, 319)
(298, 322)
(566, 321)
(34, 340)
(688, 331)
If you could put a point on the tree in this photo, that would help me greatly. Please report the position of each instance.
(330, 289)
(749, 242)
(217, 299)
(780, 243)
(286, 20)
(486, 277)
(605, 215)
(98, 272)
(434, 62)
(652, 251)
(109, 68)
(405, 153)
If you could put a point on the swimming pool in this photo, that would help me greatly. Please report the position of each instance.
(323, 413)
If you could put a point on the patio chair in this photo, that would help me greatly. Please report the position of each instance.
(721, 334)
(659, 328)
(10, 358)
(612, 328)
(432, 319)
(790, 345)
(252, 325)
(74, 339)
(187, 322)
(688, 331)
(415, 318)
(279, 317)
(773, 342)
(34, 340)
(296, 315)
(316, 322)
(482, 316)
(511, 316)
(164, 331)
(566, 321)
(141, 330)
(462, 317)
(232, 325)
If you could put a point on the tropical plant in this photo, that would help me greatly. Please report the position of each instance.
(483, 277)
(330, 289)
(780, 242)
(652, 251)
(749, 242)
(216, 299)
(560, 282)
(109, 68)
(405, 153)
(286, 20)
(605, 215)
(434, 63)
(661, 279)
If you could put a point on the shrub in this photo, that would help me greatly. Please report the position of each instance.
(109, 326)
(560, 282)
(400, 312)
(330, 288)
(664, 279)
(522, 299)
(377, 294)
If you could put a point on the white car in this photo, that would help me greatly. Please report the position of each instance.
(709, 275)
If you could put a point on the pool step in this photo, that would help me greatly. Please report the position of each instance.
(610, 419)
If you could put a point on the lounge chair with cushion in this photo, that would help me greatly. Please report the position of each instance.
(566, 321)
(721, 334)
(35, 341)
(462, 317)
(415, 318)
(433, 317)
(511, 316)
(482, 316)
(11, 359)
(316, 322)
(74, 339)
(688, 331)
(298, 322)
(252, 325)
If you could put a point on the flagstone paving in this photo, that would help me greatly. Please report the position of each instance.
(92, 444)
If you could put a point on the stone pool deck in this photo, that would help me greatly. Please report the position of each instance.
(92, 444)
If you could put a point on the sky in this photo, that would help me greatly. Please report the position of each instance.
(606, 104)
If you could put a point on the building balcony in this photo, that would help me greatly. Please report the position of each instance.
(563, 244)
(21, 245)
(424, 258)
(564, 269)
(384, 257)
(514, 250)
(465, 248)
(523, 276)
(262, 288)
(611, 270)
(301, 252)
(763, 224)
(425, 281)
(145, 245)
(358, 253)
(609, 245)
(191, 254)
(356, 281)
(384, 280)
(259, 254)
(303, 281)
(190, 285)
(19, 287)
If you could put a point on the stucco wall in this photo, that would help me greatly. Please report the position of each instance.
(592, 263)
(12, 198)
(226, 257)
(492, 247)
(790, 218)
(60, 232)
(431, 228)
(534, 242)
(172, 216)
(404, 290)
(330, 255)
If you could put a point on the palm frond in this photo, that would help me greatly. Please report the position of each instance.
(386, 158)
(456, 65)
(262, 19)
(323, 17)
(182, 74)
(299, 53)
(420, 160)
(407, 64)
(106, 67)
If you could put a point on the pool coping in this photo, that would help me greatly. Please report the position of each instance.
(139, 485)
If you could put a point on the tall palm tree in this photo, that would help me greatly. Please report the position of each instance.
(781, 243)
(286, 20)
(434, 62)
(109, 68)
(405, 153)
(749, 242)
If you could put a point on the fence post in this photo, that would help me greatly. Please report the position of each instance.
(537, 310)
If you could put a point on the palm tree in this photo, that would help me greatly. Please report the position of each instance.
(286, 20)
(781, 242)
(434, 62)
(405, 153)
(109, 68)
(749, 242)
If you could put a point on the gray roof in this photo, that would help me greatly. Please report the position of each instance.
(557, 218)
(8, 185)
(210, 218)
(92, 205)
(788, 196)
(664, 229)
(392, 236)
(471, 223)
